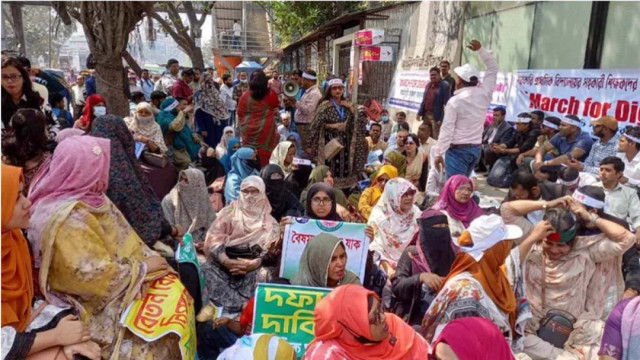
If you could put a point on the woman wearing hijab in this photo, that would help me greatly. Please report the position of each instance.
(321, 203)
(337, 119)
(23, 333)
(174, 126)
(398, 161)
(371, 195)
(621, 337)
(455, 200)
(256, 123)
(323, 174)
(211, 115)
(323, 264)
(283, 202)
(129, 188)
(94, 107)
(243, 165)
(259, 347)
(146, 130)
(209, 165)
(91, 257)
(350, 324)
(298, 179)
(485, 280)
(294, 137)
(422, 267)
(225, 160)
(471, 338)
(223, 145)
(189, 201)
(283, 156)
(394, 223)
(237, 244)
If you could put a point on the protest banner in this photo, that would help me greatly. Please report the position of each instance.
(586, 93)
(368, 37)
(376, 53)
(297, 235)
(166, 308)
(500, 94)
(287, 311)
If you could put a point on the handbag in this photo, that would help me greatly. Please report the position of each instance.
(557, 325)
(153, 159)
(243, 252)
(332, 148)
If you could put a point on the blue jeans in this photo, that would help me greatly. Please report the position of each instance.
(232, 118)
(461, 161)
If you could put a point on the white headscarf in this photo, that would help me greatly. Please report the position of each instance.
(147, 127)
(279, 154)
(221, 149)
(393, 230)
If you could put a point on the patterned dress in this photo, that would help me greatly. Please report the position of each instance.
(346, 165)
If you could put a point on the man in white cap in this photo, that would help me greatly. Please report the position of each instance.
(306, 107)
(464, 116)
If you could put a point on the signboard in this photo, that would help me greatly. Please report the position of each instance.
(369, 37)
(408, 89)
(166, 308)
(287, 311)
(588, 94)
(376, 53)
(500, 94)
(298, 234)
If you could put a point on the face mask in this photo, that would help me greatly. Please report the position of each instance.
(145, 119)
(385, 118)
(99, 111)
(243, 81)
(253, 164)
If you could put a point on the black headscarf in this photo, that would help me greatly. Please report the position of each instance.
(299, 179)
(283, 202)
(327, 189)
(434, 242)
(210, 166)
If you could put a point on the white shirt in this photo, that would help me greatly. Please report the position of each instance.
(165, 83)
(237, 28)
(623, 203)
(226, 93)
(78, 94)
(631, 169)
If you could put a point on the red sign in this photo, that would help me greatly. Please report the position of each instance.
(376, 53)
(369, 37)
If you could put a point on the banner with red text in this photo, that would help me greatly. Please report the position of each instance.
(408, 88)
(298, 234)
(376, 53)
(368, 37)
(588, 94)
(166, 308)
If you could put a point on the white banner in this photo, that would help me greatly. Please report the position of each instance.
(588, 94)
(408, 88)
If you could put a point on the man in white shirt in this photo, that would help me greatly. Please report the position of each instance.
(237, 31)
(146, 84)
(621, 200)
(629, 147)
(426, 141)
(167, 81)
(226, 94)
(78, 96)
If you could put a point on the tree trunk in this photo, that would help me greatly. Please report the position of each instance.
(110, 84)
(197, 60)
(18, 26)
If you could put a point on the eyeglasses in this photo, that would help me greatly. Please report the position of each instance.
(11, 77)
(321, 201)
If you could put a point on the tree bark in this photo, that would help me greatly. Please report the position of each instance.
(18, 29)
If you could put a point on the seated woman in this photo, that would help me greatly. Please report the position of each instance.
(576, 273)
(322, 205)
(173, 122)
(324, 264)
(455, 200)
(350, 324)
(283, 202)
(237, 245)
(91, 256)
(398, 161)
(417, 165)
(298, 179)
(621, 337)
(485, 280)
(223, 145)
(225, 160)
(393, 220)
(294, 138)
(243, 165)
(371, 195)
(25, 143)
(482, 340)
(283, 155)
(189, 201)
(322, 174)
(422, 267)
(210, 166)
(94, 107)
(145, 130)
(27, 331)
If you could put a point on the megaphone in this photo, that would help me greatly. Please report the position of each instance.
(290, 88)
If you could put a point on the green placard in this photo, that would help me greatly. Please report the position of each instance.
(287, 311)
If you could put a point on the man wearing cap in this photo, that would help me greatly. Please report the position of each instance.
(606, 128)
(499, 132)
(570, 141)
(621, 200)
(523, 140)
(306, 107)
(461, 132)
(436, 95)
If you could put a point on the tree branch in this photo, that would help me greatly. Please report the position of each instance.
(176, 37)
(133, 64)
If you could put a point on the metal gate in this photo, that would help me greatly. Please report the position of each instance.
(378, 75)
(344, 59)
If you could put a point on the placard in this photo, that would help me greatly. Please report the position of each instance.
(368, 37)
(376, 53)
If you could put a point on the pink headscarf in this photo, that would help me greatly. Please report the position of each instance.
(459, 211)
(77, 171)
(475, 338)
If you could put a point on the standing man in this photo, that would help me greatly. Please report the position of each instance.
(306, 107)
(166, 82)
(237, 31)
(181, 88)
(241, 86)
(445, 65)
(461, 136)
(297, 77)
(226, 93)
(146, 84)
(435, 97)
(78, 91)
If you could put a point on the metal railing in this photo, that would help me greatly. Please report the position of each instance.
(247, 40)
